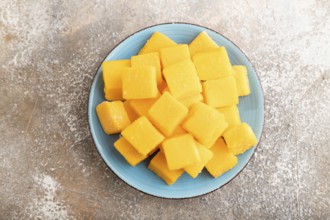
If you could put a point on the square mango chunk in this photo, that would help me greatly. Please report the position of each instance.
(202, 43)
(112, 116)
(231, 114)
(222, 160)
(213, 64)
(112, 74)
(220, 92)
(156, 42)
(180, 151)
(167, 113)
(182, 79)
(130, 111)
(188, 101)
(240, 138)
(139, 82)
(158, 165)
(172, 55)
(150, 59)
(142, 135)
(205, 154)
(242, 80)
(206, 124)
(128, 152)
(142, 106)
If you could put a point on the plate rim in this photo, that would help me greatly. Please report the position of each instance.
(89, 113)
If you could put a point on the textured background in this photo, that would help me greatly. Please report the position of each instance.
(49, 52)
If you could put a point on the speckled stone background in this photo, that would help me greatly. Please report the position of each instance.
(49, 52)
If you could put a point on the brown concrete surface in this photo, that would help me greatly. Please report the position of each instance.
(49, 52)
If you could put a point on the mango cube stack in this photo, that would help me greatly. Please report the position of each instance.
(112, 116)
(177, 103)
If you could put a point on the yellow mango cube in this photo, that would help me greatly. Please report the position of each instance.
(112, 116)
(206, 124)
(213, 64)
(205, 154)
(142, 106)
(182, 79)
(139, 82)
(132, 115)
(158, 165)
(202, 43)
(150, 59)
(167, 113)
(222, 160)
(242, 80)
(112, 77)
(231, 114)
(220, 92)
(180, 151)
(188, 101)
(156, 42)
(128, 152)
(142, 135)
(240, 138)
(172, 55)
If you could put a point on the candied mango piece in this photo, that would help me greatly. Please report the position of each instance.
(112, 116)
(206, 124)
(130, 111)
(231, 114)
(142, 106)
(180, 151)
(188, 101)
(202, 43)
(142, 135)
(112, 74)
(156, 42)
(222, 160)
(240, 138)
(172, 55)
(220, 92)
(182, 79)
(158, 165)
(150, 59)
(139, 82)
(205, 154)
(128, 152)
(167, 113)
(242, 80)
(213, 64)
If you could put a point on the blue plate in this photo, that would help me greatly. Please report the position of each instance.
(251, 111)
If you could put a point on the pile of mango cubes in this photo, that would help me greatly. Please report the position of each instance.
(177, 103)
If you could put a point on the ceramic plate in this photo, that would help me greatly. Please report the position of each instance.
(251, 111)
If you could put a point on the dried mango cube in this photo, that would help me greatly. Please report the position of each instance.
(156, 42)
(188, 101)
(240, 138)
(242, 80)
(182, 79)
(172, 55)
(139, 82)
(112, 116)
(231, 114)
(180, 151)
(206, 124)
(130, 111)
(220, 92)
(213, 64)
(142, 135)
(142, 106)
(150, 59)
(202, 43)
(158, 165)
(222, 160)
(167, 113)
(128, 152)
(112, 74)
(205, 154)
